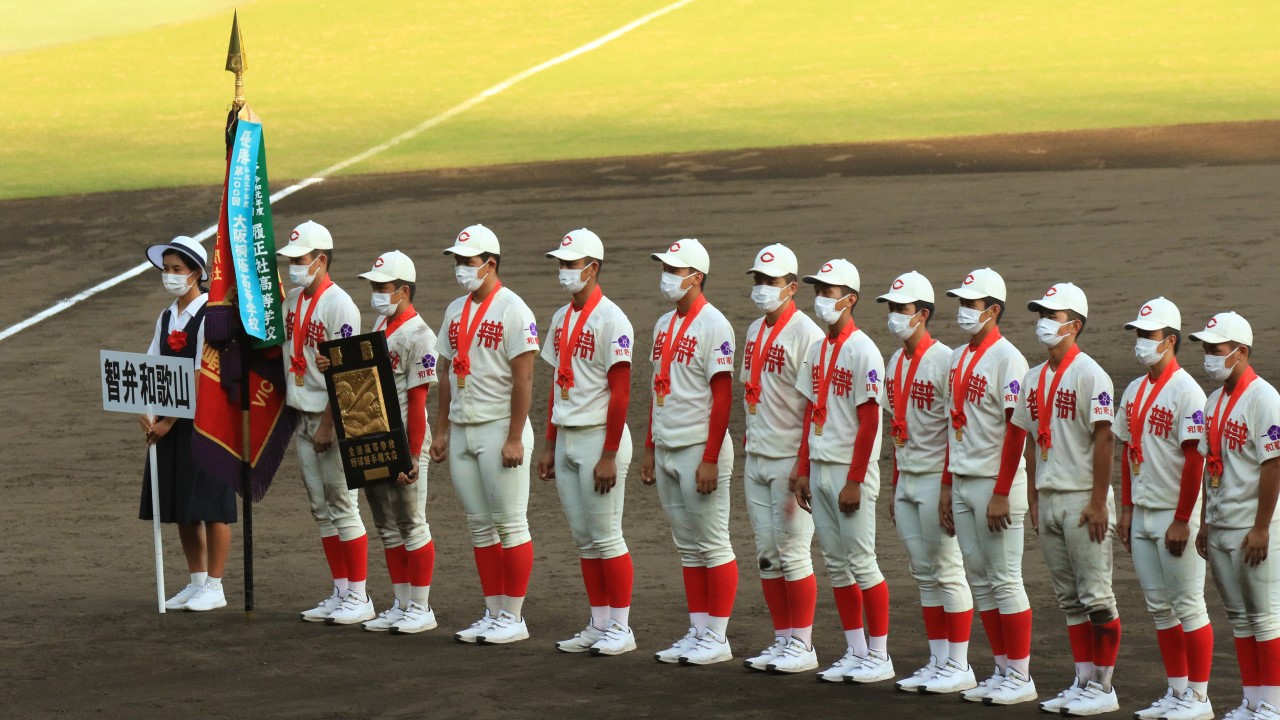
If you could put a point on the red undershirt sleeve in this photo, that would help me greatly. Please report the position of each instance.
(721, 401)
(1015, 443)
(619, 399)
(946, 466)
(551, 404)
(802, 458)
(417, 412)
(868, 429)
(1126, 477)
(1192, 476)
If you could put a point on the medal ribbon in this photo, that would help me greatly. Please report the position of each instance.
(1218, 425)
(297, 361)
(902, 393)
(819, 416)
(662, 382)
(1138, 422)
(961, 376)
(1044, 437)
(755, 359)
(569, 341)
(467, 333)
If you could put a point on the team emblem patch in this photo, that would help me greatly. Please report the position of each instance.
(1213, 322)
(1197, 417)
(1015, 387)
(1104, 400)
(428, 361)
(726, 348)
(1145, 311)
(873, 377)
(968, 280)
(675, 247)
(827, 268)
(766, 257)
(379, 262)
(568, 240)
(464, 236)
(1273, 432)
(1051, 291)
(533, 329)
(293, 236)
(346, 331)
(624, 342)
(897, 284)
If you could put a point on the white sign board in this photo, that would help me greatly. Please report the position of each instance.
(147, 384)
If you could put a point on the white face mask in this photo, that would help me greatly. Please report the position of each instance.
(969, 320)
(382, 304)
(571, 280)
(301, 275)
(1145, 349)
(767, 297)
(825, 309)
(1215, 366)
(672, 286)
(900, 325)
(177, 285)
(1047, 332)
(468, 277)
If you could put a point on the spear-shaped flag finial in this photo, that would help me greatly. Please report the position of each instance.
(237, 61)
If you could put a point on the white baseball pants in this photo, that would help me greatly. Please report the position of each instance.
(848, 542)
(1172, 586)
(495, 499)
(400, 511)
(936, 563)
(595, 520)
(1250, 595)
(992, 561)
(1079, 567)
(783, 532)
(335, 508)
(699, 523)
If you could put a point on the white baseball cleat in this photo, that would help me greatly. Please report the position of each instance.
(1240, 712)
(837, 671)
(1190, 707)
(950, 678)
(1016, 688)
(680, 647)
(582, 641)
(1056, 703)
(1093, 700)
(323, 609)
(618, 639)
(761, 662)
(875, 667)
(355, 608)
(915, 680)
(795, 657)
(209, 597)
(416, 619)
(386, 618)
(506, 628)
(711, 648)
(477, 628)
(177, 601)
(1157, 709)
(980, 691)
(1266, 711)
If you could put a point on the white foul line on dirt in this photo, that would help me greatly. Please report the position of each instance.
(68, 303)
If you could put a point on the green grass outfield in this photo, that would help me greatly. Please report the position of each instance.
(142, 108)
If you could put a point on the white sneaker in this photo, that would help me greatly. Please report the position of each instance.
(1266, 711)
(355, 608)
(1016, 688)
(1240, 712)
(582, 641)
(681, 647)
(711, 648)
(477, 628)
(618, 639)
(1190, 707)
(1056, 703)
(875, 667)
(506, 628)
(1093, 700)
(837, 671)
(950, 678)
(795, 657)
(761, 662)
(386, 618)
(915, 680)
(177, 601)
(416, 619)
(980, 691)
(1157, 709)
(323, 609)
(209, 597)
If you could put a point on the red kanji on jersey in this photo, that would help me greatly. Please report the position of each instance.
(686, 347)
(453, 335)
(1236, 434)
(841, 382)
(315, 333)
(586, 346)
(490, 334)
(395, 359)
(658, 344)
(922, 394)
(977, 389)
(1065, 404)
(288, 325)
(775, 358)
(1160, 421)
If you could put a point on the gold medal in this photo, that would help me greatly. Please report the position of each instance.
(1044, 453)
(751, 408)
(817, 428)
(299, 380)
(1135, 466)
(564, 393)
(899, 442)
(1215, 480)
(462, 381)
(959, 433)
(662, 400)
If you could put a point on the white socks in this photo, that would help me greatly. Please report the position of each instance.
(513, 605)
(493, 603)
(213, 582)
(1002, 662)
(1022, 665)
(804, 634)
(1086, 672)
(959, 653)
(938, 649)
(600, 617)
(199, 578)
(719, 624)
(1201, 688)
(402, 593)
(857, 641)
(357, 588)
(879, 644)
(698, 621)
(341, 584)
(621, 615)
(420, 594)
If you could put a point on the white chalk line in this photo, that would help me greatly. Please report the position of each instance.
(68, 303)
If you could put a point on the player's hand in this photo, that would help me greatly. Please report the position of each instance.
(1096, 517)
(707, 477)
(803, 496)
(998, 518)
(1255, 546)
(512, 453)
(322, 362)
(547, 463)
(850, 499)
(1202, 542)
(1124, 527)
(324, 437)
(412, 476)
(795, 475)
(440, 447)
(606, 474)
(945, 518)
(1176, 537)
(646, 467)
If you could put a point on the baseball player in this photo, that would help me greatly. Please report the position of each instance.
(588, 442)
(319, 311)
(777, 344)
(916, 378)
(1239, 532)
(1066, 410)
(486, 347)
(984, 449)
(1160, 420)
(838, 479)
(686, 453)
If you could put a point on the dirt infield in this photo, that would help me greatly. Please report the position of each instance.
(1186, 212)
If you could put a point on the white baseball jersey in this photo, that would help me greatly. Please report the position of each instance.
(704, 351)
(994, 387)
(604, 342)
(1250, 437)
(774, 430)
(858, 376)
(178, 321)
(412, 350)
(506, 331)
(335, 316)
(1083, 398)
(1176, 416)
(928, 409)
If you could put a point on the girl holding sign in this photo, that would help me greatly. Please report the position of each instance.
(200, 504)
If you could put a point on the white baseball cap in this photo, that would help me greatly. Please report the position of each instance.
(390, 267)
(775, 260)
(837, 272)
(187, 247)
(981, 283)
(307, 237)
(1156, 314)
(473, 241)
(581, 243)
(909, 287)
(1225, 327)
(686, 253)
(1062, 296)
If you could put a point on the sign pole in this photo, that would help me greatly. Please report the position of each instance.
(155, 524)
